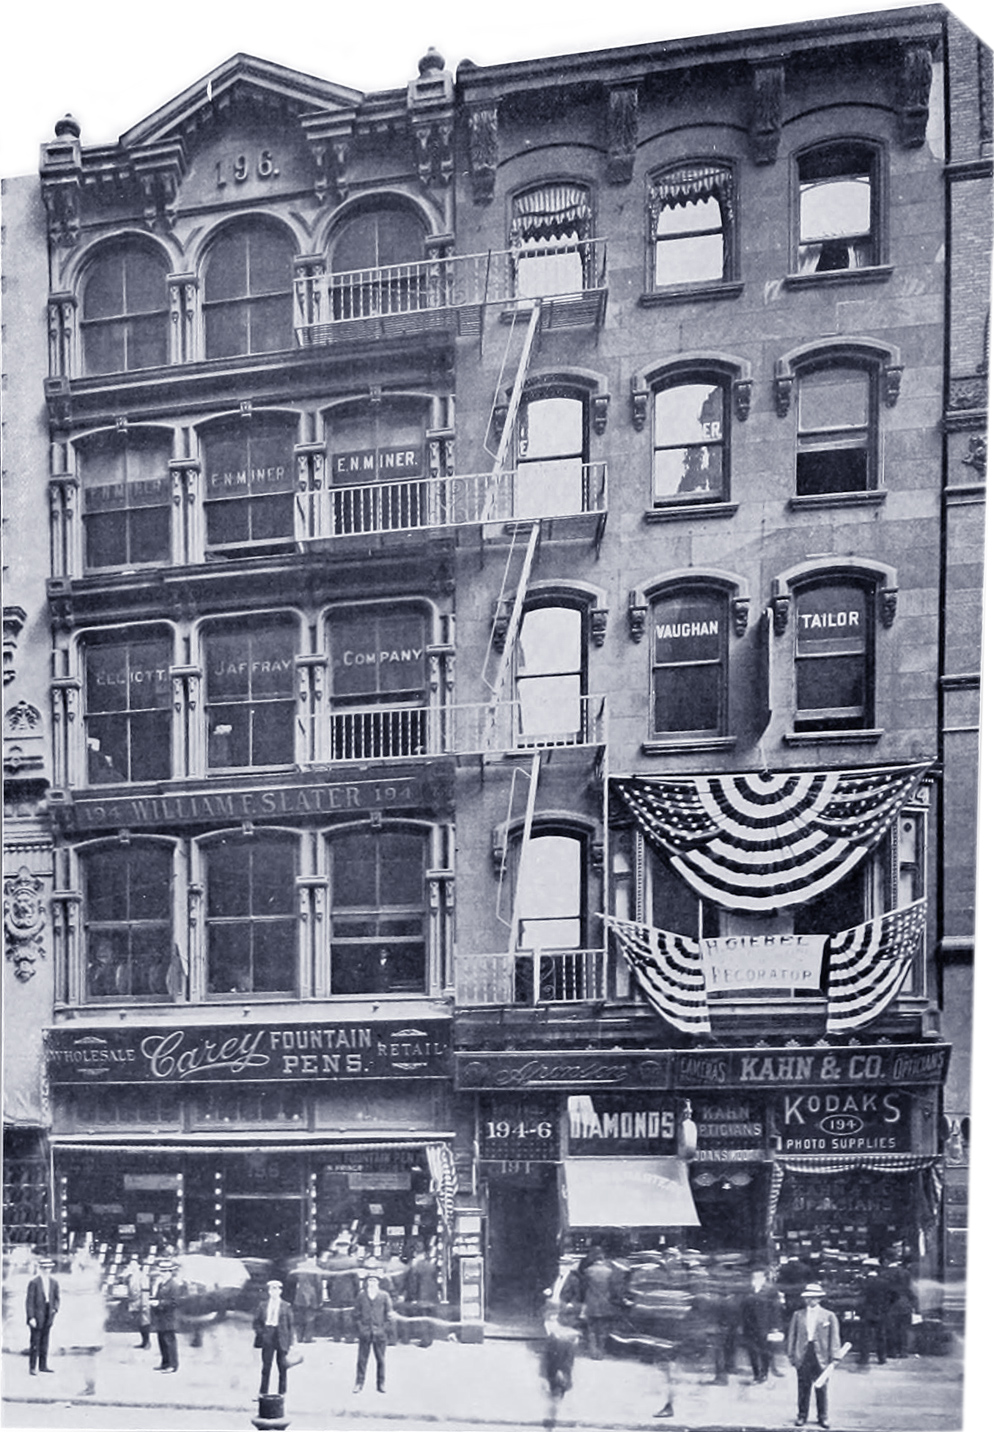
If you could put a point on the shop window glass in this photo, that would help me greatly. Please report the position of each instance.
(249, 666)
(248, 291)
(551, 457)
(549, 673)
(251, 915)
(376, 458)
(690, 215)
(550, 229)
(379, 683)
(126, 499)
(249, 480)
(833, 656)
(838, 221)
(689, 663)
(377, 259)
(125, 310)
(378, 918)
(127, 894)
(128, 701)
(835, 431)
(690, 442)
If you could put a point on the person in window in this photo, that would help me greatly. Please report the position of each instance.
(107, 973)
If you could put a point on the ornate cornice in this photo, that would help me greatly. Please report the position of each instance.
(766, 114)
(622, 132)
(482, 121)
(914, 87)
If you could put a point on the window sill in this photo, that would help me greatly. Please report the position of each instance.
(834, 738)
(679, 512)
(689, 743)
(874, 273)
(690, 293)
(874, 497)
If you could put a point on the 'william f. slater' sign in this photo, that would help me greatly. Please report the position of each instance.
(197, 1054)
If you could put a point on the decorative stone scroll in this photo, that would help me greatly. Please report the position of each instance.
(23, 921)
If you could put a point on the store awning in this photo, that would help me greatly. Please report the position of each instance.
(629, 1193)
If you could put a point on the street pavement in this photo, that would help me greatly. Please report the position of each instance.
(494, 1384)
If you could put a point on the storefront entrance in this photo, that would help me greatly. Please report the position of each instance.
(266, 1227)
(523, 1229)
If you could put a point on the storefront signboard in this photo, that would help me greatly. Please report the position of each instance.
(729, 1130)
(875, 1065)
(519, 1128)
(606, 1125)
(845, 1121)
(740, 964)
(194, 1054)
(577, 1069)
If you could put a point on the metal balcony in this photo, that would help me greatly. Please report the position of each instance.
(450, 292)
(531, 977)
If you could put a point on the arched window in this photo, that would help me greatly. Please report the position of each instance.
(125, 309)
(550, 675)
(551, 226)
(376, 256)
(554, 964)
(689, 654)
(251, 914)
(248, 291)
(690, 442)
(128, 922)
(690, 219)
(249, 479)
(833, 654)
(127, 495)
(836, 429)
(551, 455)
(128, 706)
(378, 911)
(838, 207)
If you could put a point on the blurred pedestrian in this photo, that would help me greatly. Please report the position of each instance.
(901, 1308)
(598, 1301)
(373, 1312)
(874, 1309)
(306, 1301)
(761, 1316)
(41, 1303)
(273, 1328)
(139, 1300)
(165, 1295)
(342, 1281)
(422, 1295)
(557, 1357)
(813, 1344)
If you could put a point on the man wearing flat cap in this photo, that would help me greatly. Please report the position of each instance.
(373, 1314)
(41, 1303)
(164, 1302)
(813, 1344)
(273, 1328)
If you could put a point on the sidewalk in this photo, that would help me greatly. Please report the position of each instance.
(495, 1383)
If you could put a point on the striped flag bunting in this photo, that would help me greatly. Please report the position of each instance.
(670, 970)
(767, 840)
(442, 1168)
(867, 964)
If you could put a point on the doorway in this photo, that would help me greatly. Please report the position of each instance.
(264, 1226)
(523, 1241)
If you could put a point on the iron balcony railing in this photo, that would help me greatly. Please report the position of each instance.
(326, 301)
(514, 495)
(532, 977)
(400, 732)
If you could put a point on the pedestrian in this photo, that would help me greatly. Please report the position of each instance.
(274, 1334)
(901, 1308)
(342, 1281)
(874, 1310)
(558, 1353)
(165, 1296)
(726, 1311)
(761, 1316)
(139, 1296)
(813, 1344)
(598, 1302)
(306, 1300)
(422, 1294)
(41, 1304)
(373, 1313)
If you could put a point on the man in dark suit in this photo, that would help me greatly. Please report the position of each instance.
(813, 1344)
(761, 1315)
(164, 1303)
(273, 1328)
(373, 1312)
(40, 1305)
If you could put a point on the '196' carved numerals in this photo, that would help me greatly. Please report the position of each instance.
(244, 166)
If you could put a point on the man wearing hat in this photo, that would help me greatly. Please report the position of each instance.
(164, 1304)
(40, 1305)
(342, 1282)
(273, 1328)
(373, 1312)
(813, 1344)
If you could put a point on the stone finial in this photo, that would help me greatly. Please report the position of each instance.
(430, 60)
(67, 126)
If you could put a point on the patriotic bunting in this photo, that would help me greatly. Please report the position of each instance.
(767, 840)
(867, 964)
(670, 970)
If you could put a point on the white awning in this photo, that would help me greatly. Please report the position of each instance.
(629, 1193)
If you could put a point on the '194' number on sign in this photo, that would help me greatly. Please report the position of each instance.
(243, 166)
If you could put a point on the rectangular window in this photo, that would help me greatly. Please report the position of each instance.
(549, 676)
(127, 895)
(690, 428)
(551, 448)
(127, 501)
(838, 222)
(379, 683)
(834, 411)
(249, 483)
(377, 464)
(378, 920)
(250, 692)
(689, 664)
(832, 657)
(251, 916)
(690, 209)
(128, 700)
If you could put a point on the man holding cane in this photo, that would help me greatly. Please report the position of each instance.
(814, 1347)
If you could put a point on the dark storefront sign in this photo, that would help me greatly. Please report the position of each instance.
(318, 797)
(729, 1130)
(208, 1053)
(779, 1068)
(606, 1125)
(845, 1121)
(576, 1069)
(514, 1129)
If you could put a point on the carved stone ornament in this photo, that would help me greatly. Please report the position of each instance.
(914, 87)
(892, 384)
(781, 611)
(23, 921)
(740, 615)
(622, 132)
(598, 625)
(977, 455)
(14, 618)
(638, 610)
(483, 152)
(783, 387)
(742, 397)
(766, 118)
(888, 605)
(640, 404)
(598, 407)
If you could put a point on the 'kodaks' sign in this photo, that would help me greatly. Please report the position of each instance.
(846, 1121)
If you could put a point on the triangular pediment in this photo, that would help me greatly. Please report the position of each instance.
(241, 81)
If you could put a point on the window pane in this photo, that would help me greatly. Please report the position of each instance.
(831, 683)
(227, 880)
(687, 698)
(106, 539)
(272, 734)
(226, 274)
(150, 871)
(688, 472)
(225, 330)
(831, 619)
(144, 283)
(831, 470)
(354, 871)
(228, 967)
(151, 955)
(149, 535)
(402, 868)
(355, 245)
(551, 427)
(270, 265)
(549, 878)
(689, 413)
(106, 750)
(150, 754)
(550, 641)
(834, 398)
(103, 293)
(401, 238)
(700, 259)
(103, 348)
(550, 706)
(270, 322)
(106, 885)
(548, 272)
(274, 956)
(835, 208)
(690, 628)
(549, 488)
(147, 346)
(683, 218)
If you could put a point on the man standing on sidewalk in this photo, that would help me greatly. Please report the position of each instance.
(40, 1305)
(813, 1344)
(164, 1304)
(761, 1315)
(373, 1311)
(273, 1328)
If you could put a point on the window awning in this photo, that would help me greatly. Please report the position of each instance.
(629, 1193)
